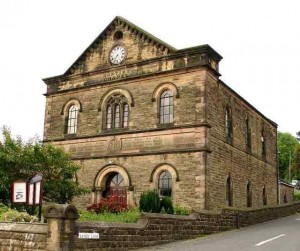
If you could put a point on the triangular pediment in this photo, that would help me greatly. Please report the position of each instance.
(138, 44)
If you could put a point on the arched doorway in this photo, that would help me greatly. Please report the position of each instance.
(113, 180)
(115, 187)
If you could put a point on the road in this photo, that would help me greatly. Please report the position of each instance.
(279, 235)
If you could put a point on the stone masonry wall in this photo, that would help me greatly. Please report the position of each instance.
(22, 236)
(62, 232)
(156, 229)
(232, 159)
(185, 187)
(143, 112)
(287, 190)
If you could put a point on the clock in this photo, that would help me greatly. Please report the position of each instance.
(117, 54)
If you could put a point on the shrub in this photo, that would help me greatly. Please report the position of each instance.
(13, 215)
(296, 196)
(178, 210)
(111, 204)
(3, 208)
(167, 205)
(149, 202)
(130, 216)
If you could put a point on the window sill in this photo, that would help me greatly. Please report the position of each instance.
(112, 130)
(70, 136)
(166, 125)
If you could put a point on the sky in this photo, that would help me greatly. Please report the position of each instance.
(259, 41)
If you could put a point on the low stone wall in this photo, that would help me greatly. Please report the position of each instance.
(62, 231)
(286, 193)
(155, 229)
(22, 236)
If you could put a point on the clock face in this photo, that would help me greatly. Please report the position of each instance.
(117, 54)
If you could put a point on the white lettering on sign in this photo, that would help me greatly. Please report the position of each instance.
(88, 236)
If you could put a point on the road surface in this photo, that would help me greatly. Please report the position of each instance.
(277, 235)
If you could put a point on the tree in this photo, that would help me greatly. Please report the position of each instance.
(21, 160)
(298, 135)
(286, 147)
(296, 163)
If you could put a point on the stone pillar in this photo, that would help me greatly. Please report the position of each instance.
(61, 227)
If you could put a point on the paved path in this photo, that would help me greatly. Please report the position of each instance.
(277, 235)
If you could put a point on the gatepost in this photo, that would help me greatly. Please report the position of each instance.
(61, 227)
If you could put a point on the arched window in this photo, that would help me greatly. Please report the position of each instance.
(229, 192)
(264, 196)
(285, 200)
(166, 107)
(249, 194)
(72, 119)
(263, 145)
(165, 184)
(117, 112)
(228, 124)
(248, 136)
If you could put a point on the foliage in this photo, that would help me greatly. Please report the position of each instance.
(166, 205)
(178, 210)
(130, 216)
(13, 215)
(296, 195)
(112, 205)
(149, 202)
(286, 148)
(296, 164)
(21, 160)
(3, 208)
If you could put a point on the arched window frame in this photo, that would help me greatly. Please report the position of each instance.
(263, 145)
(70, 112)
(229, 192)
(228, 124)
(166, 107)
(264, 196)
(248, 194)
(72, 119)
(248, 135)
(285, 199)
(158, 170)
(156, 99)
(126, 105)
(117, 112)
(165, 183)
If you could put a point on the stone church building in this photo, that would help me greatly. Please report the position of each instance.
(138, 114)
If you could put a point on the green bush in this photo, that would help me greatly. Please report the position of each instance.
(166, 205)
(130, 216)
(13, 215)
(3, 208)
(178, 210)
(149, 202)
(296, 196)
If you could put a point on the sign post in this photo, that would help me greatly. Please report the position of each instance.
(34, 190)
(29, 192)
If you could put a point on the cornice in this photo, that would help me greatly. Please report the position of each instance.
(109, 133)
(191, 150)
(177, 55)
